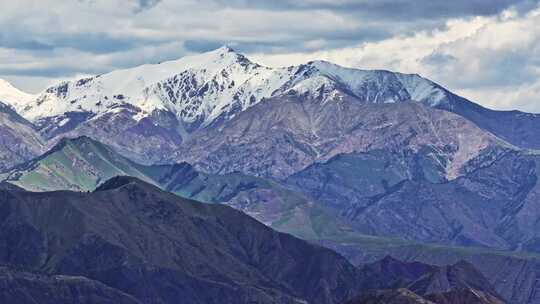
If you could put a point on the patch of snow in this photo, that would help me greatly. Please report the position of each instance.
(62, 122)
(422, 89)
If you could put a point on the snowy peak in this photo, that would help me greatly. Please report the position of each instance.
(198, 89)
(191, 87)
(13, 96)
(381, 86)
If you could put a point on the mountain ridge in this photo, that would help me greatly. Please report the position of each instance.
(221, 65)
(13, 96)
(151, 112)
(83, 164)
(154, 245)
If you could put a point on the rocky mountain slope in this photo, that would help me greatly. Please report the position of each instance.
(405, 296)
(19, 142)
(394, 281)
(278, 207)
(516, 127)
(327, 153)
(153, 111)
(513, 275)
(156, 246)
(466, 295)
(82, 164)
(79, 164)
(389, 296)
(278, 138)
(491, 205)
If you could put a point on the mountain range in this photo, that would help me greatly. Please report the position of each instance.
(159, 247)
(82, 164)
(129, 241)
(423, 283)
(154, 113)
(366, 162)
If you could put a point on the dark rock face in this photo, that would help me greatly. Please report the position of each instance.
(19, 142)
(512, 275)
(359, 179)
(518, 128)
(465, 296)
(11, 187)
(22, 287)
(424, 279)
(394, 281)
(459, 276)
(405, 296)
(156, 246)
(392, 273)
(490, 205)
(398, 296)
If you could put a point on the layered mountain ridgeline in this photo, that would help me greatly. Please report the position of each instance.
(389, 296)
(22, 287)
(343, 152)
(394, 281)
(19, 141)
(516, 127)
(405, 296)
(282, 136)
(225, 114)
(273, 204)
(82, 164)
(130, 242)
(79, 164)
(158, 247)
(492, 204)
(283, 208)
(154, 111)
(513, 275)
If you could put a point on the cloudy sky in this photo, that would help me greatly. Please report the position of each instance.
(485, 50)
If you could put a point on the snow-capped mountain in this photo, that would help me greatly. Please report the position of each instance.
(200, 88)
(365, 143)
(13, 96)
(153, 113)
(193, 88)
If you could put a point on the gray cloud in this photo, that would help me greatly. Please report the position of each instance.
(145, 4)
(391, 9)
(98, 43)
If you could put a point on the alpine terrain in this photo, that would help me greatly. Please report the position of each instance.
(119, 187)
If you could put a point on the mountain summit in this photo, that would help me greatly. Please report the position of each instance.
(199, 89)
(13, 96)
